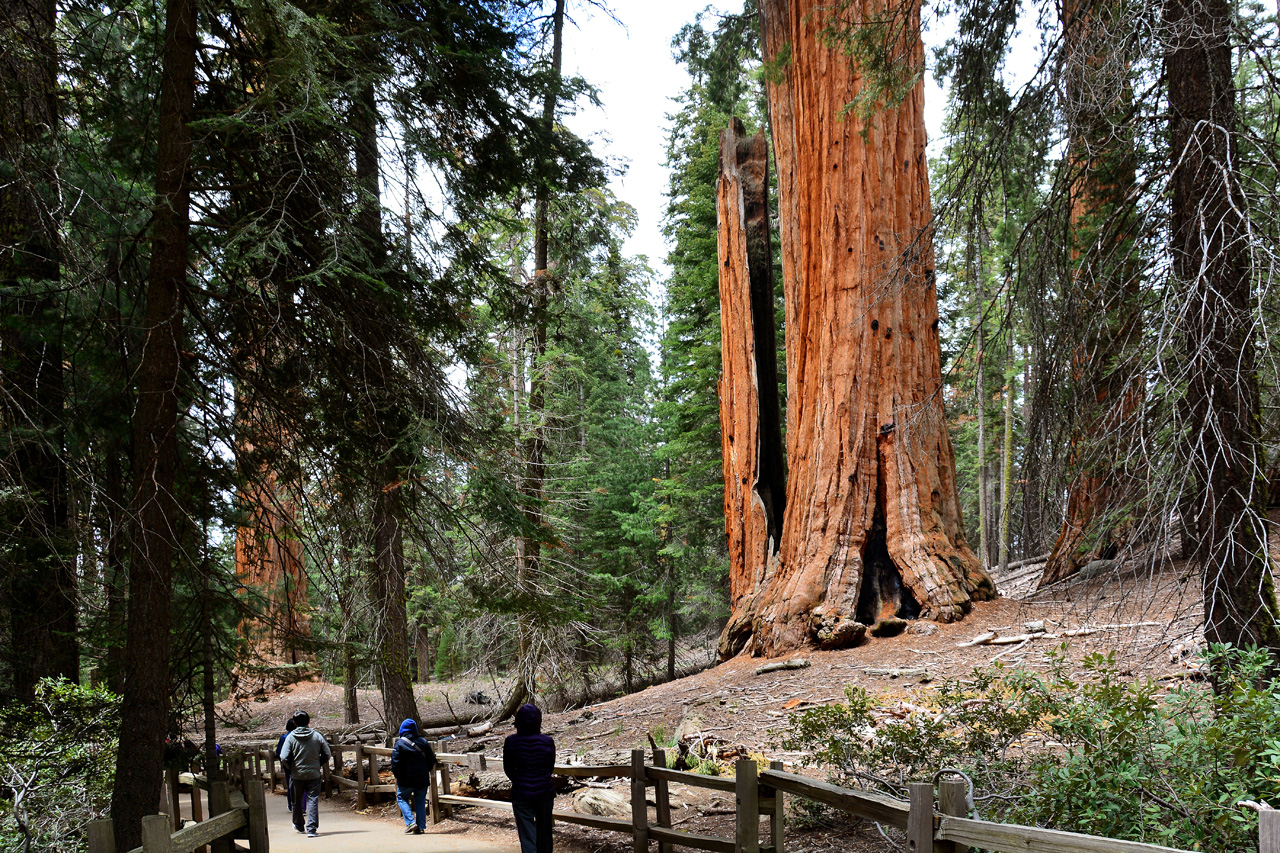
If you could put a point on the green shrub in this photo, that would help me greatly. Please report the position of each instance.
(57, 765)
(1101, 754)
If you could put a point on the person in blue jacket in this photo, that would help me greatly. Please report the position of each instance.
(412, 761)
(288, 788)
(528, 759)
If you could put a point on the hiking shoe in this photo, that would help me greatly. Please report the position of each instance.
(417, 830)
(312, 834)
(299, 829)
(411, 830)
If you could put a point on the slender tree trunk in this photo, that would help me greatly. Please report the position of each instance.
(980, 390)
(529, 549)
(41, 571)
(1208, 242)
(1006, 462)
(212, 767)
(422, 639)
(872, 524)
(144, 711)
(673, 626)
(750, 411)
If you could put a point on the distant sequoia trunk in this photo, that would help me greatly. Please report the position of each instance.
(1104, 165)
(872, 526)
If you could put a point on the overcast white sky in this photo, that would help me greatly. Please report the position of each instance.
(630, 63)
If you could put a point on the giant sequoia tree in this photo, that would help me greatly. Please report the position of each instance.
(872, 525)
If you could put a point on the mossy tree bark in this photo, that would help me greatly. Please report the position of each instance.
(872, 524)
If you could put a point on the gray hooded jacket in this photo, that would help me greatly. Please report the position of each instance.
(307, 751)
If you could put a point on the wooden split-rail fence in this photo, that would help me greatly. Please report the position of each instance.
(933, 822)
(236, 810)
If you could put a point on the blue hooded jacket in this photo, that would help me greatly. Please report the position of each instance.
(528, 757)
(412, 758)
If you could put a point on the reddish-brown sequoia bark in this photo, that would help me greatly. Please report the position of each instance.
(269, 561)
(1104, 166)
(872, 524)
(750, 411)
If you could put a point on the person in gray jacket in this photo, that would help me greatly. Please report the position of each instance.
(305, 753)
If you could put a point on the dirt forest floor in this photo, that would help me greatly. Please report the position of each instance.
(1151, 619)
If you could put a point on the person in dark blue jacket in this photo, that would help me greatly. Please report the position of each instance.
(528, 759)
(412, 761)
(288, 789)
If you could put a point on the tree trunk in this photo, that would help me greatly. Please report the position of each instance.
(750, 411)
(391, 622)
(1103, 163)
(144, 710)
(41, 570)
(978, 271)
(872, 524)
(268, 552)
(1006, 461)
(422, 640)
(1211, 264)
(529, 548)
(350, 678)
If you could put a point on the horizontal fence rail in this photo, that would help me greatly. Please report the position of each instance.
(933, 823)
(232, 814)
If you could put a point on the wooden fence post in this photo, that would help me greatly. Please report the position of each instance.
(361, 801)
(920, 819)
(197, 804)
(102, 836)
(777, 814)
(953, 800)
(446, 784)
(662, 798)
(639, 808)
(434, 791)
(174, 807)
(220, 803)
(747, 792)
(256, 798)
(1269, 831)
(375, 774)
(155, 834)
(271, 767)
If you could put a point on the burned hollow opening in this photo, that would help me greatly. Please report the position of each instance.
(882, 594)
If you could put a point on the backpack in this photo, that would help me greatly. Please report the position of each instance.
(429, 755)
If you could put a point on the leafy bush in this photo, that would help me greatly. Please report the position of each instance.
(57, 765)
(1102, 754)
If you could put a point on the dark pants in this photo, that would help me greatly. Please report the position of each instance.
(306, 804)
(533, 824)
